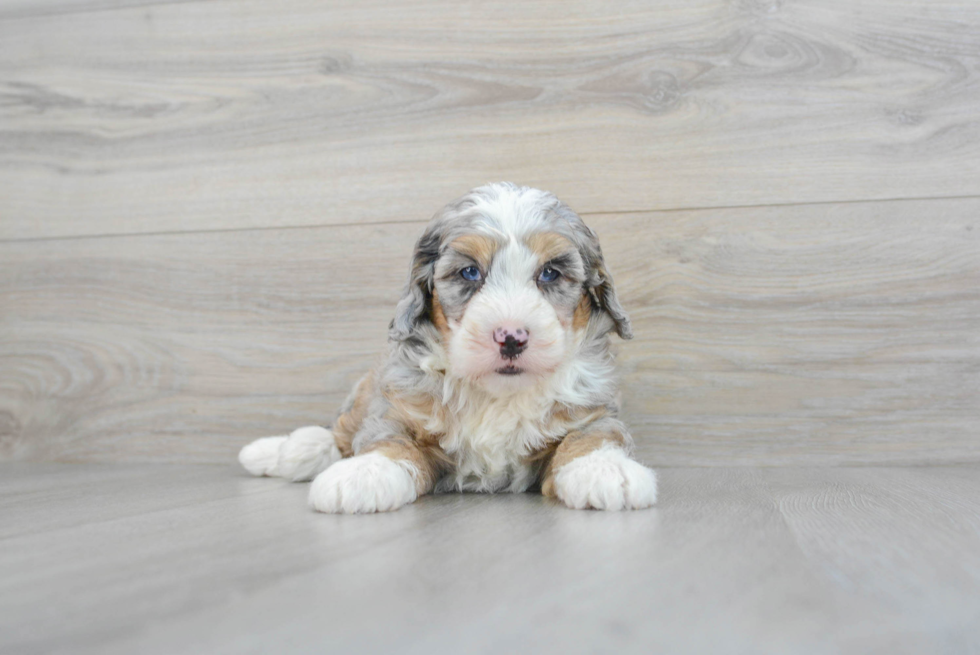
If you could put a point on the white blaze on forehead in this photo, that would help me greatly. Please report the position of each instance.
(513, 268)
(511, 212)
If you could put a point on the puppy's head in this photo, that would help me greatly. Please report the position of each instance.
(512, 280)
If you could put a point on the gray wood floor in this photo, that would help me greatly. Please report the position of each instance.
(180, 559)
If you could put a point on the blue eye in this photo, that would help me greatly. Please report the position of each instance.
(471, 273)
(548, 274)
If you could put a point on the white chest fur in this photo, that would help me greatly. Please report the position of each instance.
(491, 439)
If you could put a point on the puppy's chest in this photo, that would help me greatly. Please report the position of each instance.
(491, 445)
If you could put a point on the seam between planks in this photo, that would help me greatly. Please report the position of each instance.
(368, 223)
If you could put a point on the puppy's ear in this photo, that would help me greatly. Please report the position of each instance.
(599, 282)
(416, 301)
(605, 292)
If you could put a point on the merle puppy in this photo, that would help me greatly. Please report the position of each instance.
(498, 375)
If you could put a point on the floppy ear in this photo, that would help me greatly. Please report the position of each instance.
(599, 282)
(416, 301)
(605, 292)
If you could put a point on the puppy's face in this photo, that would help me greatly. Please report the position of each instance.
(508, 301)
(511, 280)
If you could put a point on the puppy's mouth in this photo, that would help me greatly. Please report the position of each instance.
(510, 369)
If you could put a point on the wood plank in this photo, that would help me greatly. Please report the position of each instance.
(202, 559)
(821, 334)
(15, 9)
(230, 114)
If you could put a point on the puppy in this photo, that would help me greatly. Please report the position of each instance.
(498, 375)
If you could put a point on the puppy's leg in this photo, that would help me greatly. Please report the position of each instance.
(300, 456)
(592, 468)
(384, 476)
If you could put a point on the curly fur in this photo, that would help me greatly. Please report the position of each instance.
(447, 409)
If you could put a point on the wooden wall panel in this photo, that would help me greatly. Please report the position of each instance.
(162, 117)
(829, 333)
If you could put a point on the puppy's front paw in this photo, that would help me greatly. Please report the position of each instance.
(363, 484)
(608, 479)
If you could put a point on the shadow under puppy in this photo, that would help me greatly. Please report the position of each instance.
(498, 375)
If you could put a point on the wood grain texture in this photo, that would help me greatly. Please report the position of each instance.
(821, 334)
(165, 559)
(15, 9)
(160, 117)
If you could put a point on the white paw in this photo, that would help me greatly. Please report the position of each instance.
(362, 484)
(261, 457)
(608, 479)
(306, 453)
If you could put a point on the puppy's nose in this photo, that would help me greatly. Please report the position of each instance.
(512, 341)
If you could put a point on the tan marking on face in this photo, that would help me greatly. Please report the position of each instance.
(576, 444)
(548, 245)
(478, 247)
(583, 311)
(348, 423)
(439, 316)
